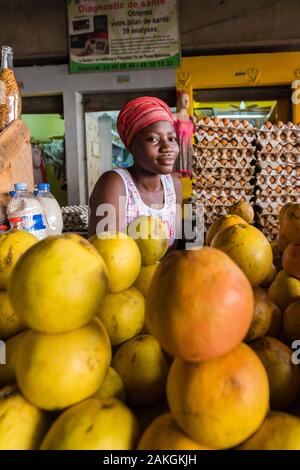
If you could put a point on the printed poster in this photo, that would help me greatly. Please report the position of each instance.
(122, 35)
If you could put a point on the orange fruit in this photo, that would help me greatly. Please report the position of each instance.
(284, 290)
(291, 322)
(283, 375)
(262, 315)
(199, 305)
(291, 223)
(221, 402)
(291, 260)
(164, 434)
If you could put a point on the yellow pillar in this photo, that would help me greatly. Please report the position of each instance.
(296, 101)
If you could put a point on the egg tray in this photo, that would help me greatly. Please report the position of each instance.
(221, 199)
(279, 126)
(265, 201)
(278, 148)
(277, 190)
(292, 158)
(273, 169)
(227, 144)
(212, 163)
(268, 224)
(273, 181)
(220, 172)
(234, 182)
(224, 123)
(223, 152)
(224, 138)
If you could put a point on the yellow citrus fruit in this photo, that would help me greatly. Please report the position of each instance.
(12, 246)
(56, 371)
(123, 314)
(105, 424)
(121, 256)
(58, 284)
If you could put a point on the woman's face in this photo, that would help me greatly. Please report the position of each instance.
(155, 148)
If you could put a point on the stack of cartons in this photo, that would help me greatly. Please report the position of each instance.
(224, 165)
(278, 173)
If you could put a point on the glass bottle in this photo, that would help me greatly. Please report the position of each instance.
(10, 100)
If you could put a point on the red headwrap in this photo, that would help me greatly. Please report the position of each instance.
(140, 113)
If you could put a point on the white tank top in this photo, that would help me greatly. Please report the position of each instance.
(135, 206)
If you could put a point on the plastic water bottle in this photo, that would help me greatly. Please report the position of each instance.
(51, 208)
(24, 212)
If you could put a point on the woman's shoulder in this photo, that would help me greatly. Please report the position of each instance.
(109, 183)
(110, 177)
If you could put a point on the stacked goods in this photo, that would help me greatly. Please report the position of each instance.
(70, 303)
(202, 360)
(75, 218)
(278, 172)
(224, 165)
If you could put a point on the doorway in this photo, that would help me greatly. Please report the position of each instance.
(44, 117)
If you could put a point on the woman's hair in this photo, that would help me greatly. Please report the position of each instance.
(140, 113)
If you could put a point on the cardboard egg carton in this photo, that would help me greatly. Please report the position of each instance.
(279, 126)
(214, 142)
(275, 200)
(236, 182)
(220, 172)
(225, 153)
(222, 199)
(287, 191)
(274, 146)
(225, 123)
(224, 159)
(274, 181)
(269, 225)
(275, 168)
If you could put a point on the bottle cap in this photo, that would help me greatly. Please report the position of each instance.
(44, 187)
(12, 193)
(3, 227)
(20, 186)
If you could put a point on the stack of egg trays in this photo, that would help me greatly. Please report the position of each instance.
(224, 166)
(278, 173)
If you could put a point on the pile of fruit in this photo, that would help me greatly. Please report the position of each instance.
(113, 345)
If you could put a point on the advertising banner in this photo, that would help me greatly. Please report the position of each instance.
(122, 35)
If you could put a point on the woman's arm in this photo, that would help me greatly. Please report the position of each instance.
(107, 204)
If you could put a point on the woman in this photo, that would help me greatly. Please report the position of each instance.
(146, 128)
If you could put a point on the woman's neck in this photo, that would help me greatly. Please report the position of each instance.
(145, 180)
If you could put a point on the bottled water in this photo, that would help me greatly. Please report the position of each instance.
(51, 208)
(24, 212)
